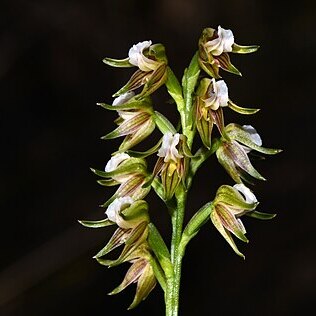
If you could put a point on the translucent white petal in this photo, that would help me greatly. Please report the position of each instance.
(255, 137)
(123, 98)
(137, 58)
(227, 39)
(115, 161)
(221, 93)
(114, 209)
(249, 196)
(168, 148)
(223, 43)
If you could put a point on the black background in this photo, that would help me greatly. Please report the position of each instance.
(51, 76)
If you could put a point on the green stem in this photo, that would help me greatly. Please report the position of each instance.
(173, 284)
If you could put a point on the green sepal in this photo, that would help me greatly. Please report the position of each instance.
(107, 182)
(160, 249)
(115, 241)
(130, 252)
(230, 222)
(228, 164)
(231, 196)
(225, 64)
(145, 285)
(96, 224)
(130, 126)
(223, 231)
(120, 63)
(163, 123)
(241, 110)
(133, 165)
(135, 138)
(136, 212)
(158, 52)
(141, 104)
(239, 49)
(144, 154)
(260, 215)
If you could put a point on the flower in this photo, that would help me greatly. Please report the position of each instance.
(211, 97)
(222, 43)
(142, 273)
(172, 162)
(135, 120)
(214, 46)
(137, 57)
(233, 150)
(218, 96)
(227, 208)
(151, 61)
(129, 172)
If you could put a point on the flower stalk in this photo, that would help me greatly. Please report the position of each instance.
(201, 99)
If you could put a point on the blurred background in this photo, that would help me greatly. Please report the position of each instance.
(52, 75)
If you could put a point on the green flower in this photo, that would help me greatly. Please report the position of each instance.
(234, 148)
(214, 46)
(229, 205)
(172, 162)
(151, 61)
(135, 122)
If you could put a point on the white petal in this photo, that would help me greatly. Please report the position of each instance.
(223, 43)
(123, 98)
(114, 209)
(137, 58)
(221, 92)
(255, 137)
(168, 148)
(249, 196)
(227, 39)
(115, 161)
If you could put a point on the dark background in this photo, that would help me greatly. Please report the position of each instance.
(51, 76)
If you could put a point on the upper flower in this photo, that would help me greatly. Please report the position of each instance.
(214, 46)
(168, 148)
(151, 61)
(223, 43)
(137, 57)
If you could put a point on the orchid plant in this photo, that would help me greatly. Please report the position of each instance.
(201, 99)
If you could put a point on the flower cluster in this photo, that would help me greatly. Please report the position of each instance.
(201, 99)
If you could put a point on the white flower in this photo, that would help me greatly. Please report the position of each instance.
(219, 95)
(123, 98)
(114, 209)
(223, 43)
(168, 148)
(255, 137)
(249, 196)
(137, 58)
(115, 161)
